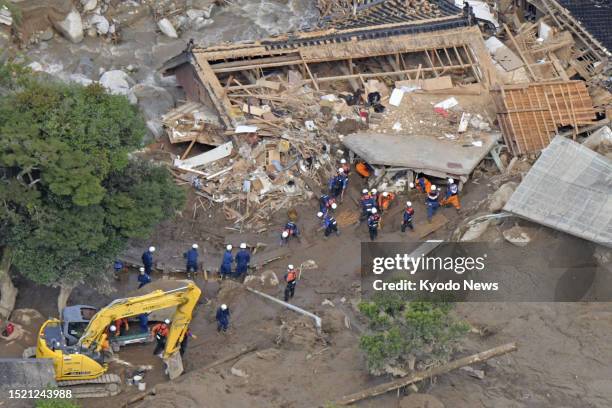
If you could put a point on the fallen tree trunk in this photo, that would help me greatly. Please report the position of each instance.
(422, 375)
(8, 291)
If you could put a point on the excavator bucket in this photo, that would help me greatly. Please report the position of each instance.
(174, 365)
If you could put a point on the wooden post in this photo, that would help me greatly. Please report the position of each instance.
(422, 375)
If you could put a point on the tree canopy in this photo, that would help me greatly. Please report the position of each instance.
(70, 194)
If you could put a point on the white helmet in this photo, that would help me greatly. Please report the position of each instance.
(289, 266)
(409, 203)
(433, 187)
(342, 161)
(385, 194)
(364, 191)
(374, 191)
(411, 185)
(142, 269)
(229, 247)
(224, 307)
(151, 249)
(167, 321)
(319, 214)
(334, 206)
(285, 234)
(451, 181)
(374, 210)
(243, 245)
(195, 246)
(340, 170)
(113, 328)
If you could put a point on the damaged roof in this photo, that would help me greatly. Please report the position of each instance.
(436, 157)
(569, 188)
(595, 17)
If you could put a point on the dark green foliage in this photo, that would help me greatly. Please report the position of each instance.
(56, 403)
(70, 197)
(401, 330)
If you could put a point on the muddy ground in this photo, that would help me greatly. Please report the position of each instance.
(563, 358)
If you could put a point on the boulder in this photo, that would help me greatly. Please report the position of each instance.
(420, 401)
(85, 67)
(46, 35)
(517, 236)
(153, 101)
(118, 82)
(167, 28)
(501, 196)
(71, 27)
(475, 231)
(89, 5)
(100, 23)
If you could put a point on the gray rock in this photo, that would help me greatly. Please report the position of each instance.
(71, 27)
(475, 231)
(100, 23)
(153, 101)
(192, 14)
(118, 82)
(501, 196)
(517, 236)
(167, 28)
(85, 67)
(89, 5)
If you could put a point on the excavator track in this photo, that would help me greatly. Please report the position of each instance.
(107, 385)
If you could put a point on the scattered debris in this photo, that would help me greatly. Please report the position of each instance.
(517, 236)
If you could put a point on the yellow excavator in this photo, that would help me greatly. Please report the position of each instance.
(82, 367)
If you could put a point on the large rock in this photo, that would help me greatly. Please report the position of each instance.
(118, 82)
(167, 28)
(153, 101)
(420, 401)
(475, 231)
(100, 23)
(517, 236)
(501, 196)
(71, 27)
(89, 5)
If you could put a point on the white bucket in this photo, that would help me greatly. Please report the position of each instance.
(142, 386)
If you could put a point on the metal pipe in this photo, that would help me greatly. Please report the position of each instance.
(313, 316)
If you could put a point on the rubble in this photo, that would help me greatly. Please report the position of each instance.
(167, 28)
(517, 236)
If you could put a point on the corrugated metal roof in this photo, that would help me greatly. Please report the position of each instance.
(569, 188)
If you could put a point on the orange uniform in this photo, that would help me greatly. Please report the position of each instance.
(385, 202)
(423, 185)
(362, 169)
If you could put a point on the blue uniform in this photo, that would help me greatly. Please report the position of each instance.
(432, 204)
(243, 257)
(143, 279)
(226, 264)
(147, 261)
(373, 221)
(222, 317)
(292, 228)
(408, 214)
(367, 203)
(330, 225)
(337, 184)
(323, 203)
(143, 320)
(192, 260)
(118, 266)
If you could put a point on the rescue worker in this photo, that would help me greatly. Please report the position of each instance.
(185, 341)
(191, 257)
(367, 203)
(122, 326)
(423, 184)
(107, 349)
(243, 258)
(118, 267)
(363, 169)
(345, 166)
(338, 184)
(408, 214)
(432, 202)
(226, 263)
(143, 278)
(143, 322)
(147, 260)
(374, 195)
(291, 230)
(330, 224)
(160, 333)
(384, 201)
(222, 316)
(373, 222)
(291, 278)
(323, 202)
(452, 195)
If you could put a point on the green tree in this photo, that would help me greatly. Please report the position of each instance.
(403, 332)
(70, 195)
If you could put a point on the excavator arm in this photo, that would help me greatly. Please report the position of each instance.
(184, 298)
